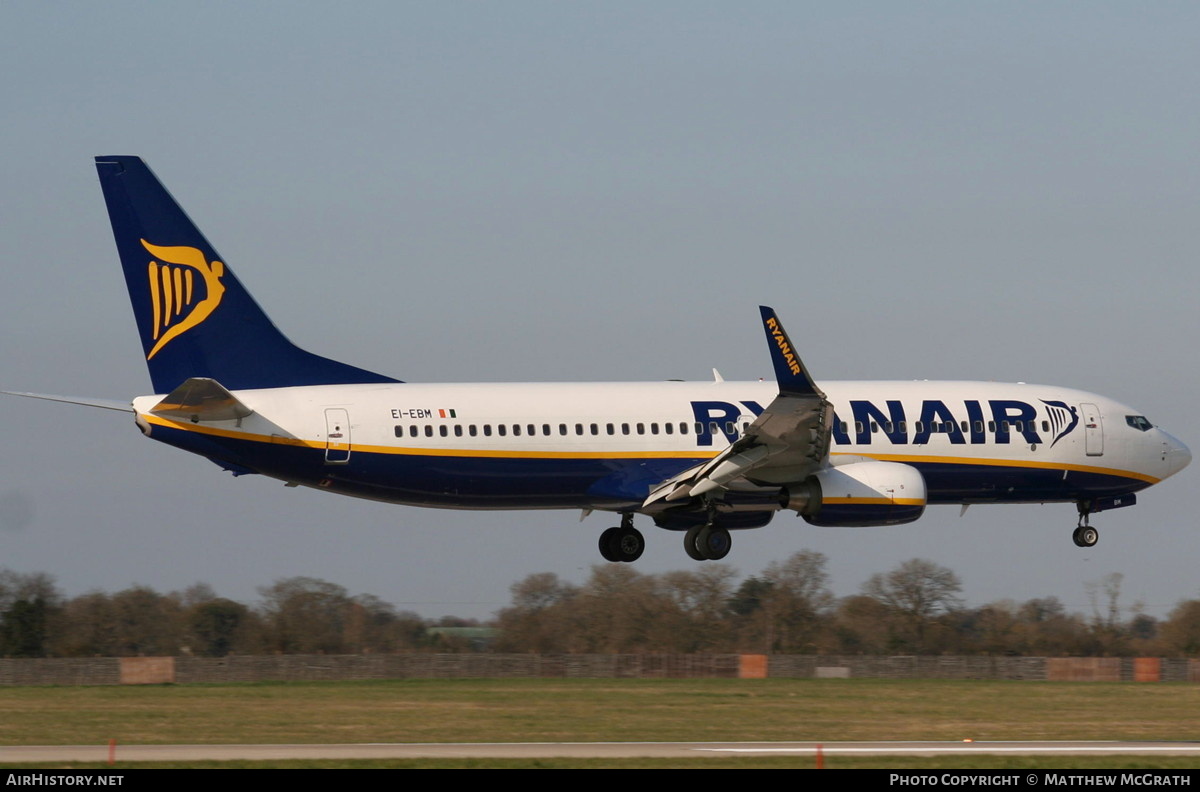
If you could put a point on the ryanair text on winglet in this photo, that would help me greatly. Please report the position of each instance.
(784, 347)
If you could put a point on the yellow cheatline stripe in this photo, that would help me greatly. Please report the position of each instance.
(1016, 463)
(434, 452)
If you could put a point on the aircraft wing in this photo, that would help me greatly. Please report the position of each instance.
(787, 442)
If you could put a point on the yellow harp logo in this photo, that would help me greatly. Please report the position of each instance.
(177, 305)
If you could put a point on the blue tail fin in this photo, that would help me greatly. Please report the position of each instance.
(194, 317)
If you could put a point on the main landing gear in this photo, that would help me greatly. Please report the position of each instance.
(1085, 535)
(623, 543)
(707, 543)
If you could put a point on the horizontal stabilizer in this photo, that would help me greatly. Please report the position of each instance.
(104, 404)
(201, 399)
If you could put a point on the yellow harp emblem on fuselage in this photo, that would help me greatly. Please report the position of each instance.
(173, 298)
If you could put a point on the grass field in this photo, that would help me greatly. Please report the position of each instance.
(490, 710)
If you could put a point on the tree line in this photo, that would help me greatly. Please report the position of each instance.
(914, 608)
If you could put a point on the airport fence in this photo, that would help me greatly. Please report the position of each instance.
(271, 668)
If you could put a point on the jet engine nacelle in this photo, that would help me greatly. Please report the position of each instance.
(861, 494)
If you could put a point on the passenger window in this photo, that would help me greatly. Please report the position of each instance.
(487, 430)
(562, 429)
(501, 430)
(471, 430)
(516, 430)
(458, 430)
(610, 428)
(654, 428)
(624, 428)
(412, 431)
(443, 430)
(669, 427)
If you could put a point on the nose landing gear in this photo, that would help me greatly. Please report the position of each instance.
(1085, 535)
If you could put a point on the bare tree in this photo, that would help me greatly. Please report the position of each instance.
(306, 615)
(915, 593)
(696, 615)
(1180, 633)
(617, 611)
(797, 602)
(538, 617)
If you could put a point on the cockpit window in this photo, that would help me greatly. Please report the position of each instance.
(1138, 422)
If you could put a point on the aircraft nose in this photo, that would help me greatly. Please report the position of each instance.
(1176, 454)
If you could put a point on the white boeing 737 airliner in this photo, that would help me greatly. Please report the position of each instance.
(699, 458)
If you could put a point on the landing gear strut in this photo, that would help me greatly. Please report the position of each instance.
(623, 543)
(1085, 535)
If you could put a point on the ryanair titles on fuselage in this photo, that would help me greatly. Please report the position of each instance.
(976, 422)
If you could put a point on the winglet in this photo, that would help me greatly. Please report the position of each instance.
(789, 369)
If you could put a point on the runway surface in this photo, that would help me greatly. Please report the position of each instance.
(182, 753)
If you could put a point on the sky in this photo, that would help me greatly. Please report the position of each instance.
(541, 191)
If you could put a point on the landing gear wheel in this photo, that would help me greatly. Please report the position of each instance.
(1085, 535)
(714, 542)
(690, 545)
(629, 544)
(622, 544)
(608, 544)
